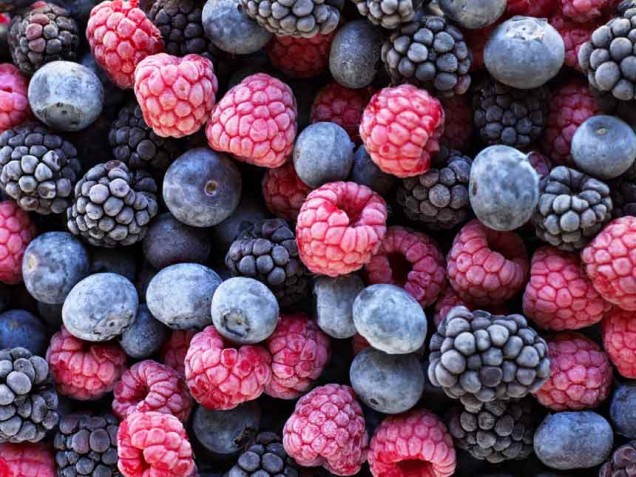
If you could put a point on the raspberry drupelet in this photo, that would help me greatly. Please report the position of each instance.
(173, 351)
(340, 226)
(583, 11)
(618, 330)
(26, 460)
(449, 299)
(283, 191)
(14, 104)
(574, 35)
(300, 57)
(16, 231)
(530, 8)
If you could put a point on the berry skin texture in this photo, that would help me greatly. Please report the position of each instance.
(255, 121)
(559, 296)
(401, 128)
(619, 340)
(284, 192)
(16, 231)
(84, 370)
(221, 377)
(120, 36)
(574, 35)
(173, 351)
(300, 57)
(486, 267)
(151, 386)
(416, 443)
(340, 227)
(176, 95)
(411, 260)
(14, 104)
(152, 444)
(327, 429)
(26, 460)
(300, 351)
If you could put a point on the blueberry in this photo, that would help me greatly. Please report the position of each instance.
(53, 263)
(144, 336)
(226, 432)
(334, 304)
(180, 295)
(573, 440)
(365, 172)
(202, 187)
(355, 54)
(623, 410)
(19, 328)
(113, 260)
(244, 310)
(390, 319)
(503, 188)
(100, 307)
(247, 213)
(387, 383)
(473, 14)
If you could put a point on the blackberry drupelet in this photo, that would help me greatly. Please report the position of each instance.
(389, 14)
(623, 193)
(622, 463)
(265, 458)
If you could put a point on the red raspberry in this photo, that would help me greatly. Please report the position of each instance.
(153, 444)
(449, 299)
(583, 11)
(340, 227)
(151, 386)
(411, 260)
(220, 376)
(14, 104)
(540, 163)
(84, 370)
(619, 340)
(415, 443)
(16, 231)
(487, 267)
(26, 460)
(327, 429)
(300, 57)
(574, 35)
(176, 95)
(255, 121)
(530, 8)
(459, 131)
(580, 374)
(120, 36)
(610, 261)
(173, 351)
(284, 192)
(401, 128)
(300, 351)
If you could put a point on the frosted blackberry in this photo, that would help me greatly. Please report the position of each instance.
(266, 457)
(389, 14)
(622, 463)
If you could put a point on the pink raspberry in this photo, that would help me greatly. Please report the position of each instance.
(411, 260)
(151, 386)
(583, 11)
(255, 121)
(16, 231)
(530, 8)
(415, 443)
(486, 267)
(540, 163)
(449, 299)
(327, 429)
(84, 370)
(120, 36)
(300, 57)
(459, 131)
(221, 376)
(153, 444)
(619, 340)
(14, 104)
(176, 95)
(340, 226)
(574, 35)
(300, 351)
(580, 374)
(173, 351)
(401, 128)
(284, 192)
(26, 460)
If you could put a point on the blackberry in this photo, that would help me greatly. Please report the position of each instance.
(623, 193)
(509, 116)
(622, 463)
(113, 206)
(388, 14)
(572, 208)
(268, 252)
(28, 401)
(266, 457)
(429, 52)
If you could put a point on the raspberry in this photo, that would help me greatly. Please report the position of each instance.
(401, 128)
(559, 296)
(153, 444)
(26, 460)
(416, 443)
(580, 374)
(530, 8)
(176, 95)
(619, 340)
(220, 376)
(151, 386)
(300, 351)
(255, 121)
(300, 57)
(284, 192)
(449, 299)
(574, 35)
(120, 36)
(14, 104)
(327, 429)
(173, 351)
(411, 260)
(609, 262)
(16, 231)
(486, 267)
(583, 11)
(459, 131)
(340, 226)
(84, 370)
(540, 163)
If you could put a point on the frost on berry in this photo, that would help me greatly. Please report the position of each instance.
(26, 460)
(300, 57)
(16, 231)
(284, 192)
(619, 340)
(14, 104)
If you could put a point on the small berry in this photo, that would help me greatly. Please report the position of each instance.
(355, 54)
(14, 104)
(284, 192)
(19, 328)
(300, 57)
(226, 433)
(174, 350)
(622, 410)
(26, 460)
(16, 231)
(334, 304)
(574, 36)
(343, 106)
(144, 336)
(473, 15)
(622, 462)
(619, 340)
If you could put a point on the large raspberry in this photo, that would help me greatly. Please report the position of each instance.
(559, 296)
(26, 460)
(300, 351)
(459, 129)
(284, 192)
(16, 231)
(84, 370)
(327, 429)
(220, 376)
(14, 104)
(120, 36)
(153, 444)
(176, 95)
(530, 8)
(610, 262)
(300, 57)
(173, 351)
(574, 35)
(255, 121)
(340, 226)
(580, 374)
(411, 260)
(401, 128)
(486, 267)
(619, 340)
(151, 386)
(416, 443)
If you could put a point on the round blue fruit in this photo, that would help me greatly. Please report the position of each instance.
(355, 54)
(623, 410)
(334, 304)
(473, 14)
(365, 172)
(144, 336)
(19, 328)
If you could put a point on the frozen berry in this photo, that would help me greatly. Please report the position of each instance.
(623, 410)
(355, 54)
(16, 231)
(14, 104)
(19, 328)
(300, 57)
(144, 336)
(366, 172)
(26, 460)
(284, 192)
(619, 338)
(334, 304)
(473, 14)
(340, 105)
(173, 351)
